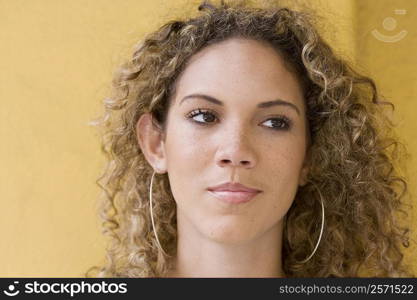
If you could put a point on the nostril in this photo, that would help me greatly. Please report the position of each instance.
(242, 162)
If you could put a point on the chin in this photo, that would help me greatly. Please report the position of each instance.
(231, 233)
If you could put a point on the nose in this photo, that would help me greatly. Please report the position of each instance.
(236, 151)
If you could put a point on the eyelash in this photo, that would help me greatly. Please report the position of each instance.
(287, 122)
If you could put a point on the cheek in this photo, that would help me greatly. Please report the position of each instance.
(285, 155)
(187, 157)
(186, 150)
(280, 168)
(280, 173)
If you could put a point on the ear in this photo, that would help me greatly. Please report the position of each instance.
(151, 142)
(304, 170)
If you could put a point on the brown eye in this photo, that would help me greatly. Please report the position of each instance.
(281, 123)
(202, 116)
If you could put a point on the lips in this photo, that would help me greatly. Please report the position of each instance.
(233, 187)
(233, 192)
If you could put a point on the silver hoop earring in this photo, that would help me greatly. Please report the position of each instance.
(153, 223)
(321, 231)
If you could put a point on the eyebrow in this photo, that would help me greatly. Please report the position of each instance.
(260, 105)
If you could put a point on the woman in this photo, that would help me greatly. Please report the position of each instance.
(240, 145)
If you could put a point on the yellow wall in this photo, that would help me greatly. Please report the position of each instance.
(392, 63)
(56, 61)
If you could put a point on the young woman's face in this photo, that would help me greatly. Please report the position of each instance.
(237, 116)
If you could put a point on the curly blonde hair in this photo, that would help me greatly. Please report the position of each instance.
(353, 151)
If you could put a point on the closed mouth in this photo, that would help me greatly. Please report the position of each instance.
(235, 197)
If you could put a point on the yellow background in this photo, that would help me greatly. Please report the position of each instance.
(56, 63)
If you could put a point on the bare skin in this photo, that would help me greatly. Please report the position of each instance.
(235, 141)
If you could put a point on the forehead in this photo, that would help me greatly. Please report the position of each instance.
(241, 70)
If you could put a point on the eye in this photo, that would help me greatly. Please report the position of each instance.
(206, 116)
(281, 123)
(202, 116)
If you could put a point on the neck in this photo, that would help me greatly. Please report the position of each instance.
(198, 256)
